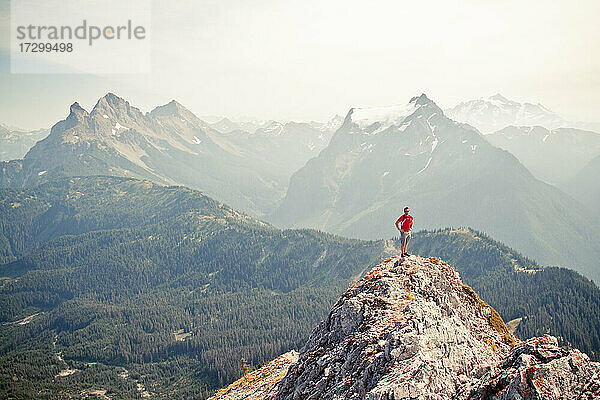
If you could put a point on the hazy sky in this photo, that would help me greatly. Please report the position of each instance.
(305, 59)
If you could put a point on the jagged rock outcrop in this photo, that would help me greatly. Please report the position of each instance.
(261, 383)
(539, 369)
(410, 329)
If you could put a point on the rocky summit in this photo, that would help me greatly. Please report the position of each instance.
(410, 329)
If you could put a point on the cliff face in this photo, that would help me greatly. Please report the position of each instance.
(410, 329)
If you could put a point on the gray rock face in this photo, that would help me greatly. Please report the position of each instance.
(407, 330)
(539, 369)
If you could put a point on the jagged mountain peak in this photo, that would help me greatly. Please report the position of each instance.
(114, 107)
(77, 115)
(109, 100)
(173, 109)
(75, 107)
(76, 112)
(422, 99)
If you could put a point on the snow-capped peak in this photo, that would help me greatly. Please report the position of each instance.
(496, 112)
(386, 116)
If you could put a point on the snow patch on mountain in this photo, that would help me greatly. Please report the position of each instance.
(426, 165)
(434, 144)
(386, 116)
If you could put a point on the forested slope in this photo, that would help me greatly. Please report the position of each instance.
(131, 287)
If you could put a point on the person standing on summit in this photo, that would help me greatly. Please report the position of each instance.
(404, 225)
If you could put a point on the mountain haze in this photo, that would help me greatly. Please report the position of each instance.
(497, 112)
(585, 186)
(287, 145)
(554, 156)
(14, 142)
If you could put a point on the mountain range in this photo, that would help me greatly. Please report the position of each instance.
(382, 159)
(170, 145)
(497, 112)
(350, 182)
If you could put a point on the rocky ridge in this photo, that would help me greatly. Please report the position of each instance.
(410, 329)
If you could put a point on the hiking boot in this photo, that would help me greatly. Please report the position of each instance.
(406, 254)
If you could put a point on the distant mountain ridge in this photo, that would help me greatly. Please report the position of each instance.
(250, 125)
(288, 145)
(382, 159)
(554, 156)
(15, 142)
(497, 112)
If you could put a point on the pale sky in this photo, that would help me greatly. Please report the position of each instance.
(308, 59)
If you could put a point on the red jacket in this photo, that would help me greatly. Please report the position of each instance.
(407, 222)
